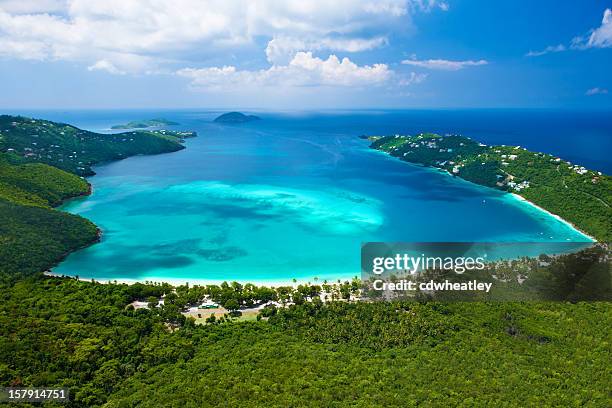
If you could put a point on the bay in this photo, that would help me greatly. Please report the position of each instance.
(294, 195)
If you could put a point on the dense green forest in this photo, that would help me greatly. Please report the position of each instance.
(301, 351)
(34, 236)
(578, 195)
(75, 150)
(85, 336)
(33, 239)
(37, 184)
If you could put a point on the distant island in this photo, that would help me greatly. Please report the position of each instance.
(235, 117)
(578, 195)
(144, 124)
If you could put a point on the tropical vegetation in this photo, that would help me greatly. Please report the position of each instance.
(579, 195)
(311, 345)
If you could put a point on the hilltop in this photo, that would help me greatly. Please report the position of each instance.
(572, 192)
(75, 150)
(235, 117)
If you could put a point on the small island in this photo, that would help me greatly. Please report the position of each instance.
(145, 124)
(236, 117)
(578, 195)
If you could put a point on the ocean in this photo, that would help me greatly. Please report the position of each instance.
(294, 196)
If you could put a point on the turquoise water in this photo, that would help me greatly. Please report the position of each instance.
(291, 196)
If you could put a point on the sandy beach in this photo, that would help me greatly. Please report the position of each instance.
(523, 199)
(199, 282)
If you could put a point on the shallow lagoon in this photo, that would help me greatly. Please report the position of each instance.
(291, 196)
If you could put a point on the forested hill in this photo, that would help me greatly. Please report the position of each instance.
(75, 150)
(40, 165)
(34, 236)
(576, 194)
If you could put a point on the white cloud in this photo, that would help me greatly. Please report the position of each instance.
(302, 71)
(413, 78)
(281, 49)
(596, 91)
(602, 37)
(428, 5)
(547, 50)
(104, 65)
(27, 50)
(32, 6)
(444, 65)
(141, 35)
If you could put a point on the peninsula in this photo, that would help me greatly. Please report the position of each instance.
(580, 196)
(144, 124)
(236, 117)
(75, 150)
(42, 164)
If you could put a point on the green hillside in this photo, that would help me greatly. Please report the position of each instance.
(37, 183)
(75, 150)
(34, 236)
(576, 194)
(33, 239)
(40, 165)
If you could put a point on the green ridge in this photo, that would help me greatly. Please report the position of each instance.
(576, 194)
(75, 150)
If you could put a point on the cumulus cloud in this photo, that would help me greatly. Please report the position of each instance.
(137, 35)
(596, 91)
(412, 78)
(281, 49)
(600, 37)
(302, 71)
(547, 50)
(444, 65)
(104, 65)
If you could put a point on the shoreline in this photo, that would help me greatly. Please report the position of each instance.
(200, 282)
(566, 222)
(288, 281)
(514, 195)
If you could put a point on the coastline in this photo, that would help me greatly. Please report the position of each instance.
(289, 281)
(199, 282)
(514, 195)
(566, 222)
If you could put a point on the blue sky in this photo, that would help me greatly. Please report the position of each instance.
(283, 54)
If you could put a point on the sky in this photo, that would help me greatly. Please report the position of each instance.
(315, 54)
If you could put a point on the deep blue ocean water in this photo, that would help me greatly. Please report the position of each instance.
(295, 194)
